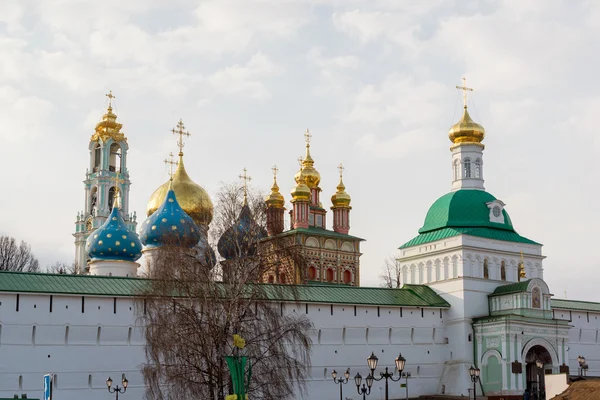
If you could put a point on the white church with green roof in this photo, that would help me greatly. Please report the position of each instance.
(473, 291)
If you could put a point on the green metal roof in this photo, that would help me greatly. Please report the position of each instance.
(320, 232)
(461, 209)
(409, 295)
(511, 288)
(488, 233)
(575, 305)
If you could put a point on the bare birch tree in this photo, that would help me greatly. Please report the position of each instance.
(17, 257)
(191, 312)
(391, 273)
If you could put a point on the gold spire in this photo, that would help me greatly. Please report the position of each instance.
(246, 179)
(301, 192)
(466, 131)
(311, 175)
(181, 132)
(341, 199)
(275, 199)
(108, 127)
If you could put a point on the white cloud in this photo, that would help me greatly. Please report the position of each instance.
(245, 80)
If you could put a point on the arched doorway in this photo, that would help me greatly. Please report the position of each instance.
(537, 360)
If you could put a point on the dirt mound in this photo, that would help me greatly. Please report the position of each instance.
(581, 390)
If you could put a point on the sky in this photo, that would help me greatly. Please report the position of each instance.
(373, 80)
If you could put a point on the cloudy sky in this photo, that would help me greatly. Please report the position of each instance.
(373, 80)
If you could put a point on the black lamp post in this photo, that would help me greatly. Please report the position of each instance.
(341, 381)
(365, 391)
(400, 361)
(474, 373)
(540, 390)
(117, 389)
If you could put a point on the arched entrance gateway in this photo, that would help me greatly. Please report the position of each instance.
(538, 362)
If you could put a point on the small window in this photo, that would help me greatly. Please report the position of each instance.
(282, 278)
(271, 279)
(502, 271)
(486, 269)
(312, 273)
(329, 275)
(347, 276)
(456, 170)
(478, 168)
(467, 167)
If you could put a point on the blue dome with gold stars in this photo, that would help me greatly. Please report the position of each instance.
(170, 225)
(240, 240)
(113, 240)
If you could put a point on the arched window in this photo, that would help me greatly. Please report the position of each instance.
(478, 168)
(312, 273)
(93, 200)
(456, 170)
(97, 157)
(502, 271)
(486, 269)
(271, 279)
(329, 275)
(347, 276)
(111, 197)
(282, 278)
(467, 167)
(115, 158)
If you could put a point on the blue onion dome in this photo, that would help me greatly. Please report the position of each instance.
(170, 225)
(241, 238)
(113, 240)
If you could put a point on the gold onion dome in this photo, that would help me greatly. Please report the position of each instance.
(341, 199)
(466, 130)
(311, 176)
(275, 199)
(192, 198)
(301, 191)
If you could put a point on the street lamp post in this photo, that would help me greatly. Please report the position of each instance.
(406, 375)
(372, 362)
(540, 390)
(341, 381)
(365, 391)
(474, 373)
(116, 390)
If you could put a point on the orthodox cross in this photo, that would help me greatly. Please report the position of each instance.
(246, 179)
(301, 162)
(181, 132)
(117, 181)
(307, 136)
(341, 169)
(170, 163)
(275, 170)
(110, 97)
(464, 89)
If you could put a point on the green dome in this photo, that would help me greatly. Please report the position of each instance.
(462, 209)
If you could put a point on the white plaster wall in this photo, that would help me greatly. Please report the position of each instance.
(555, 384)
(584, 339)
(84, 348)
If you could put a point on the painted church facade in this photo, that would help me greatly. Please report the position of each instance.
(473, 290)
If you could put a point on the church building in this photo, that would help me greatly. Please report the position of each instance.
(473, 291)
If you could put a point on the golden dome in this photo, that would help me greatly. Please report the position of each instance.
(308, 171)
(466, 131)
(275, 199)
(301, 192)
(192, 198)
(108, 127)
(341, 199)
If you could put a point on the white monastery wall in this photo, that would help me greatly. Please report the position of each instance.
(85, 341)
(584, 339)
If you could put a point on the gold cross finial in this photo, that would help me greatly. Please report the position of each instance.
(307, 137)
(246, 179)
(275, 170)
(301, 162)
(117, 181)
(180, 130)
(341, 169)
(110, 97)
(464, 89)
(170, 163)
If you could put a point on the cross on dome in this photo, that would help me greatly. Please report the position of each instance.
(275, 170)
(341, 169)
(110, 97)
(464, 89)
(170, 163)
(246, 179)
(307, 136)
(180, 130)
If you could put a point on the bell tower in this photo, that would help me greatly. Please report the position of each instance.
(108, 164)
